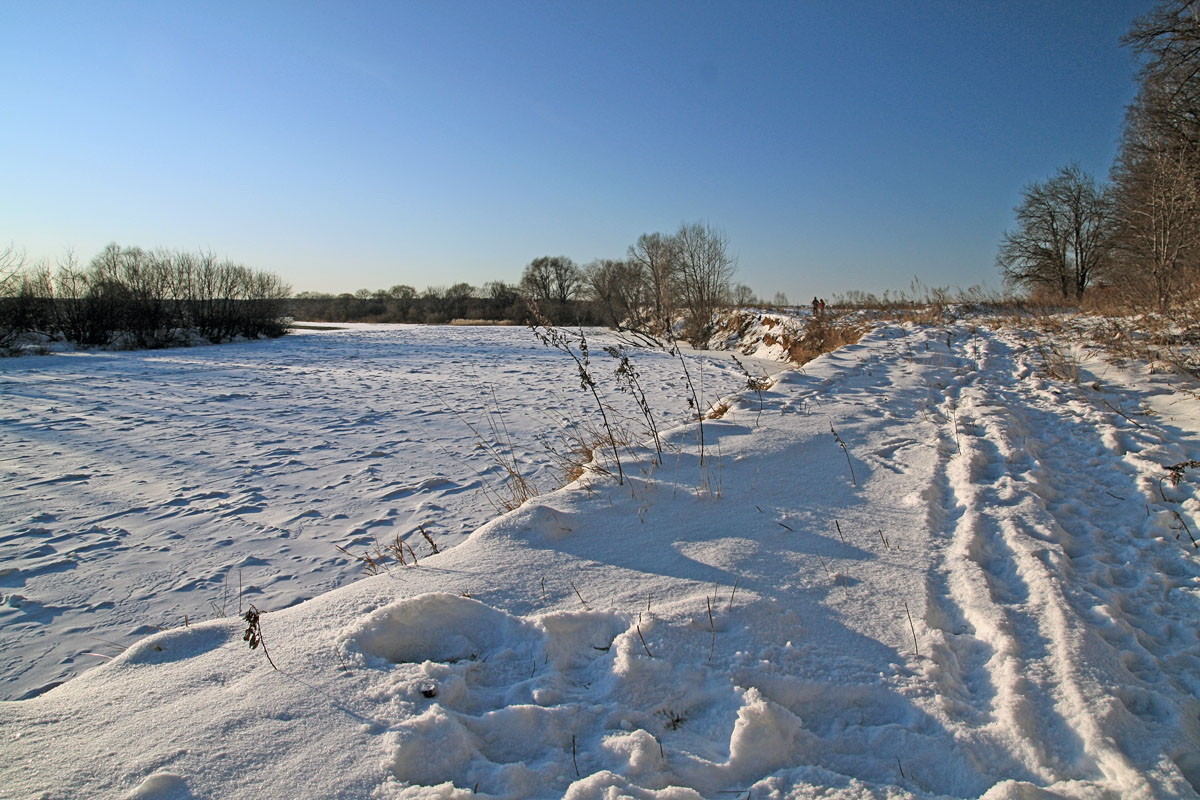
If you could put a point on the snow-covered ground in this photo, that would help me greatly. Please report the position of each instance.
(925, 569)
(142, 488)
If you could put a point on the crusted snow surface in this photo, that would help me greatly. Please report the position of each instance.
(923, 568)
(142, 489)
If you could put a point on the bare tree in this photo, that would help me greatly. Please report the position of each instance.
(12, 262)
(1157, 174)
(457, 298)
(654, 254)
(552, 279)
(1063, 235)
(401, 298)
(743, 295)
(620, 290)
(12, 266)
(503, 300)
(703, 272)
(1168, 40)
(551, 284)
(1158, 228)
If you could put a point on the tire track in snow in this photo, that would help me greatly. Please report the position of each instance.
(981, 654)
(1017, 657)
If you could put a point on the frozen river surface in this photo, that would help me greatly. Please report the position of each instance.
(142, 489)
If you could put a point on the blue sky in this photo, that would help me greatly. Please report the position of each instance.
(839, 145)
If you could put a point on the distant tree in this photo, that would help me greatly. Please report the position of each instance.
(619, 290)
(781, 299)
(71, 312)
(537, 281)
(261, 311)
(743, 295)
(458, 299)
(148, 279)
(433, 304)
(30, 305)
(553, 284)
(1063, 236)
(12, 262)
(401, 299)
(703, 272)
(12, 265)
(501, 293)
(108, 299)
(503, 300)
(552, 279)
(655, 256)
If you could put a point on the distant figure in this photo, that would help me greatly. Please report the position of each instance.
(816, 306)
(822, 308)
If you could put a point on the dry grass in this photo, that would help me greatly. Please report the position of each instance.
(585, 446)
(514, 488)
(718, 411)
(375, 559)
(1168, 342)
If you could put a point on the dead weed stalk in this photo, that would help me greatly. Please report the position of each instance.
(629, 380)
(845, 452)
(516, 488)
(575, 345)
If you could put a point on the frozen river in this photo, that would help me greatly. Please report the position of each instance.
(142, 489)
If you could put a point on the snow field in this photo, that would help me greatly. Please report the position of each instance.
(996, 604)
(140, 489)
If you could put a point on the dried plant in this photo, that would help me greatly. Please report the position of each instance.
(756, 384)
(429, 539)
(254, 634)
(1058, 363)
(1184, 527)
(575, 345)
(516, 487)
(693, 398)
(916, 647)
(375, 559)
(628, 380)
(845, 452)
(372, 563)
(1175, 471)
(573, 448)
(643, 638)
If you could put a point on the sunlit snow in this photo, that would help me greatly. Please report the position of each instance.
(988, 592)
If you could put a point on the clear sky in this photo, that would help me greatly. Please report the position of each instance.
(840, 145)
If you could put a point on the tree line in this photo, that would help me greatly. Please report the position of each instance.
(664, 278)
(1135, 238)
(495, 301)
(130, 297)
